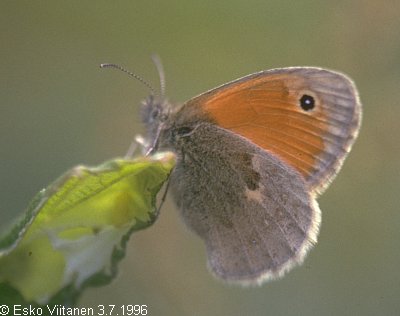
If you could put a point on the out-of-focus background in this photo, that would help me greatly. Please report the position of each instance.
(58, 109)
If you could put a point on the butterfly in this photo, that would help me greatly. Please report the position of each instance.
(252, 157)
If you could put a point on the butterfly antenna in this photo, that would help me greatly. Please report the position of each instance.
(160, 69)
(132, 74)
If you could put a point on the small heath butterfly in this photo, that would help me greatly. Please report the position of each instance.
(252, 157)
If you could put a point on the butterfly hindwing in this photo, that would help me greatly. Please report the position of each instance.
(253, 213)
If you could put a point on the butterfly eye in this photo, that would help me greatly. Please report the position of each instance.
(307, 102)
(155, 113)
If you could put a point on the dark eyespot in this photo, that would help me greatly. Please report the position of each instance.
(307, 102)
(184, 130)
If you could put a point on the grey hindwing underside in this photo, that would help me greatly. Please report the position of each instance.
(253, 212)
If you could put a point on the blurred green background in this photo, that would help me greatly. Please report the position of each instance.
(58, 109)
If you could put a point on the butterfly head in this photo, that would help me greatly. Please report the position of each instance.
(155, 112)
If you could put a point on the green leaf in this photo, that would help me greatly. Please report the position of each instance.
(74, 232)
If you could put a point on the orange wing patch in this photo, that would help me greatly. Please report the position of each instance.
(268, 113)
(268, 109)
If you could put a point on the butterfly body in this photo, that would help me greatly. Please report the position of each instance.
(252, 156)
